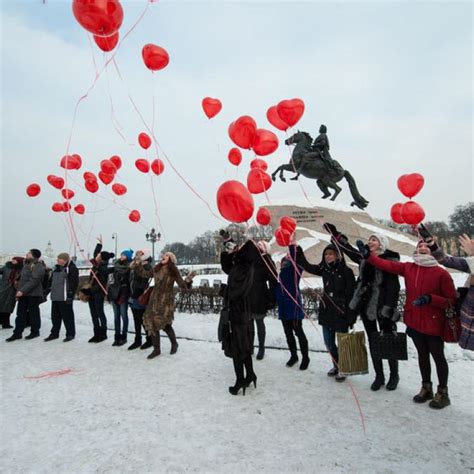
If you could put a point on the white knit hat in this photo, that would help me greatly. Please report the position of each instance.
(382, 239)
(146, 254)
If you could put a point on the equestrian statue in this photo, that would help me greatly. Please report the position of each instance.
(313, 161)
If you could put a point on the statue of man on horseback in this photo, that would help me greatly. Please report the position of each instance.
(314, 161)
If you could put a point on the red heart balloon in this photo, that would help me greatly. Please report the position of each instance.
(155, 57)
(265, 142)
(396, 213)
(66, 206)
(412, 213)
(89, 176)
(57, 207)
(134, 216)
(142, 165)
(119, 189)
(106, 178)
(283, 237)
(80, 209)
(258, 163)
(71, 162)
(263, 216)
(211, 106)
(116, 161)
(235, 156)
(275, 120)
(234, 202)
(67, 193)
(242, 131)
(107, 43)
(108, 167)
(33, 190)
(258, 181)
(99, 17)
(91, 185)
(410, 184)
(288, 223)
(290, 111)
(55, 181)
(144, 140)
(157, 166)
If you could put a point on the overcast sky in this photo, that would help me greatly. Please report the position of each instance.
(391, 80)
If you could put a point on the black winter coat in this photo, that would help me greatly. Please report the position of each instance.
(139, 278)
(339, 284)
(376, 293)
(119, 290)
(261, 295)
(7, 288)
(102, 272)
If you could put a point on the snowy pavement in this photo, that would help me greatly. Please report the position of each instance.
(116, 411)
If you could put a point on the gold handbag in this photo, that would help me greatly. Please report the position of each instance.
(352, 353)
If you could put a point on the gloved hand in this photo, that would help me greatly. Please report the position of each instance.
(230, 245)
(424, 233)
(363, 249)
(422, 300)
(331, 229)
(224, 234)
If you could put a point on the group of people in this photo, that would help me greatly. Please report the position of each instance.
(430, 293)
(254, 287)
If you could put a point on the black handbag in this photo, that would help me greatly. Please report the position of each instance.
(389, 345)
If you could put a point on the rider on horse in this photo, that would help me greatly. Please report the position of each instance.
(321, 145)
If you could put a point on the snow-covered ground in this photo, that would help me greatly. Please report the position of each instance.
(116, 411)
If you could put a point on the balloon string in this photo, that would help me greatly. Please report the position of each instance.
(159, 147)
(155, 202)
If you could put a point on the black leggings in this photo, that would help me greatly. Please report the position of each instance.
(434, 346)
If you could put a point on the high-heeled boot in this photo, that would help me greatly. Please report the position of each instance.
(239, 382)
(156, 346)
(172, 336)
(251, 377)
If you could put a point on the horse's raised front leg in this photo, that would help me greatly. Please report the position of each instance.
(274, 174)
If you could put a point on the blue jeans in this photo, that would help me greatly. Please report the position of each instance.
(329, 336)
(120, 313)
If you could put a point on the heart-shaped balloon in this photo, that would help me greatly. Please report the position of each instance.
(265, 142)
(119, 189)
(144, 140)
(234, 202)
(288, 223)
(91, 185)
(410, 184)
(259, 163)
(55, 181)
(108, 167)
(142, 165)
(80, 209)
(263, 216)
(67, 193)
(99, 17)
(283, 237)
(57, 207)
(155, 57)
(412, 213)
(134, 216)
(396, 213)
(290, 111)
(105, 177)
(157, 166)
(33, 190)
(235, 156)
(275, 120)
(107, 43)
(242, 131)
(71, 162)
(258, 181)
(116, 161)
(211, 106)
(89, 176)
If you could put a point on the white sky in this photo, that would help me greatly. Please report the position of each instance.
(391, 80)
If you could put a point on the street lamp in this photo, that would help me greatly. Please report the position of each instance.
(153, 237)
(115, 237)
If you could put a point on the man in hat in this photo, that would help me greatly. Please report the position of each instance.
(64, 283)
(29, 296)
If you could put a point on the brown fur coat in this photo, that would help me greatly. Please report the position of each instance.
(160, 310)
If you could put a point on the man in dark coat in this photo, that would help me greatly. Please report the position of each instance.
(64, 283)
(29, 296)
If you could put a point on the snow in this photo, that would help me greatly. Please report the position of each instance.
(392, 235)
(119, 412)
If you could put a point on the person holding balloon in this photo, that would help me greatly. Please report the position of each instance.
(8, 284)
(375, 297)
(429, 292)
(463, 264)
(239, 264)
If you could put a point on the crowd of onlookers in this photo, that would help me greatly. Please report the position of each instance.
(255, 286)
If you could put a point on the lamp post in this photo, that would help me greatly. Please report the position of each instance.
(115, 237)
(153, 237)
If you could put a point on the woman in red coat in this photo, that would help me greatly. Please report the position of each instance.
(429, 291)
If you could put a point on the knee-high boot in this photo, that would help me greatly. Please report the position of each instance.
(261, 338)
(239, 381)
(156, 346)
(172, 336)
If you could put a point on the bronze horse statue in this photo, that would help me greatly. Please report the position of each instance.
(312, 166)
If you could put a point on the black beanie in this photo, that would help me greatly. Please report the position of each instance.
(36, 253)
(104, 255)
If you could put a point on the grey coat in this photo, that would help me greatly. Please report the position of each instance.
(31, 278)
(7, 291)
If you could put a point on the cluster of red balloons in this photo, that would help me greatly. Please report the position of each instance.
(157, 166)
(284, 233)
(410, 212)
(102, 18)
(286, 113)
(245, 134)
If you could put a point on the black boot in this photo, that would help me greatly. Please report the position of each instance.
(290, 339)
(95, 336)
(156, 346)
(261, 352)
(292, 360)
(32, 335)
(51, 337)
(394, 378)
(379, 375)
(240, 381)
(172, 336)
(116, 340)
(251, 377)
(304, 354)
(122, 339)
(441, 399)
(136, 343)
(101, 334)
(147, 344)
(13, 337)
